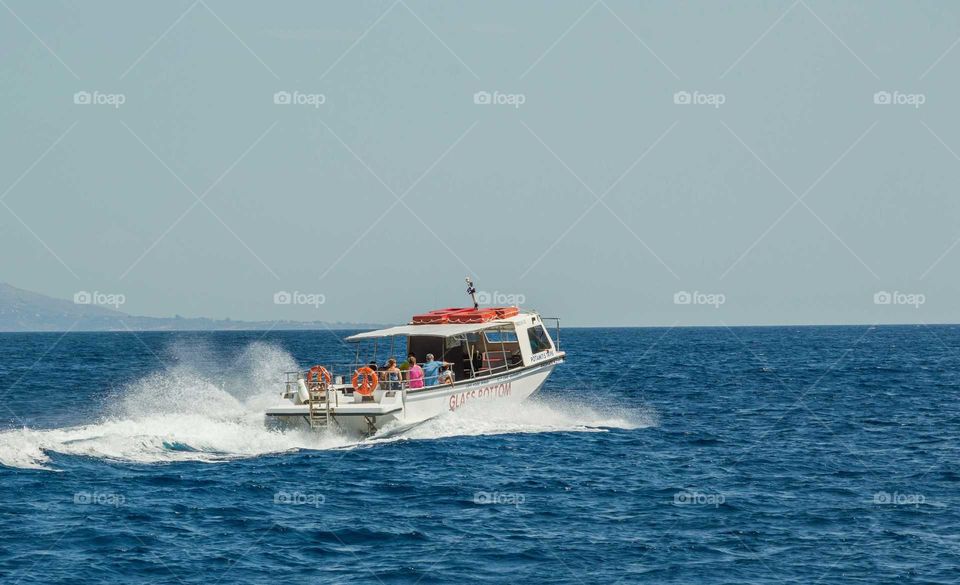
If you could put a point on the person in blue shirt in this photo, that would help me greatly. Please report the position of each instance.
(431, 370)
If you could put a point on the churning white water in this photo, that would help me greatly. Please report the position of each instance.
(182, 413)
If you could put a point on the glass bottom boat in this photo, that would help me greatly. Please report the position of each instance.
(497, 355)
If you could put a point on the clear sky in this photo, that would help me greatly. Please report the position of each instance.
(624, 154)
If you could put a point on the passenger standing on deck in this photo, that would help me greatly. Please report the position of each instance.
(431, 370)
(415, 373)
(393, 375)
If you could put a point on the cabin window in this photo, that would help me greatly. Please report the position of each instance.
(538, 339)
(501, 336)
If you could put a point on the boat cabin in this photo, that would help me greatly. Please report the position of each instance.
(478, 342)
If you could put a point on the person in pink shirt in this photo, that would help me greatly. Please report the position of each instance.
(415, 373)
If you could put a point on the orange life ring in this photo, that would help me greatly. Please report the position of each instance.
(321, 374)
(370, 381)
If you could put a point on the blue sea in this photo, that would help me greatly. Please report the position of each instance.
(687, 455)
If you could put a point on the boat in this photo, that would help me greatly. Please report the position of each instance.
(496, 355)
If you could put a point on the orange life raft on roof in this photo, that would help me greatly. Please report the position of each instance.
(468, 315)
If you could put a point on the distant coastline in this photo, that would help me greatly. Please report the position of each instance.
(23, 311)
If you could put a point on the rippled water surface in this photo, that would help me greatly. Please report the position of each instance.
(820, 454)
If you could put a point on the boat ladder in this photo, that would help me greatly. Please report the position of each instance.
(319, 412)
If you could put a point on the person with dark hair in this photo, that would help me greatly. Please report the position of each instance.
(446, 376)
(406, 365)
(393, 375)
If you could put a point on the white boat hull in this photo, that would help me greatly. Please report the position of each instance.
(413, 406)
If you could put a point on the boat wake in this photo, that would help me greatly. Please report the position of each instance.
(537, 415)
(184, 413)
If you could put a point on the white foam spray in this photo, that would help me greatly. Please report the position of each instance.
(536, 415)
(197, 411)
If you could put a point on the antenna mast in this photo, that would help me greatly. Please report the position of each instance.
(473, 293)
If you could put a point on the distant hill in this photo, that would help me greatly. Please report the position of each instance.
(23, 310)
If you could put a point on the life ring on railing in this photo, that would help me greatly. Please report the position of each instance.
(321, 374)
(370, 381)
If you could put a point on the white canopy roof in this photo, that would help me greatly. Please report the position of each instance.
(446, 330)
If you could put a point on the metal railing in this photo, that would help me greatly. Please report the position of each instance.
(507, 363)
(556, 324)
